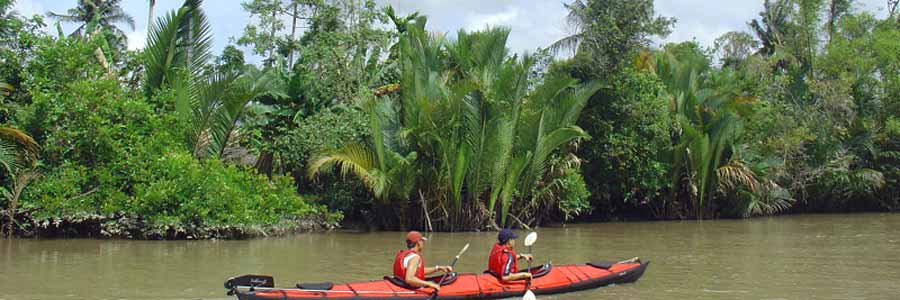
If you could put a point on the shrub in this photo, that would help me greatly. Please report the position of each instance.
(574, 197)
(325, 130)
(629, 126)
(107, 155)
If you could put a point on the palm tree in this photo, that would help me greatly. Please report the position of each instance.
(12, 195)
(384, 167)
(178, 46)
(213, 104)
(150, 15)
(17, 149)
(708, 118)
(577, 18)
(769, 29)
(400, 23)
(220, 103)
(105, 13)
(465, 130)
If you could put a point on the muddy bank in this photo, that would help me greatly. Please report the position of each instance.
(128, 226)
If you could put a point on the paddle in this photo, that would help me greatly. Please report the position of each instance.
(452, 264)
(529, 241)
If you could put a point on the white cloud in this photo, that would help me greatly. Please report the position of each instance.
(136, 39)
(481, 21)
(29, 7)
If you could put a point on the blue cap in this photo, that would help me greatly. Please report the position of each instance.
(505, 235)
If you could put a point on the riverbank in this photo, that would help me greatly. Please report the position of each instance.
(122, 226)
(131, 227)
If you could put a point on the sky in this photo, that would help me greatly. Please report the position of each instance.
(534, 23)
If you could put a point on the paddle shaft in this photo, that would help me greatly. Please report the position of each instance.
(452, 264)
(528, 284)
(529, 295)
(529, 260)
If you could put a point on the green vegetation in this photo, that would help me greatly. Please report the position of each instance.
(162, 160)
(467, 137)
(368, 116)
(790, 117)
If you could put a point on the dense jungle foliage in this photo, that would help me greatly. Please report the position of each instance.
(359, 114)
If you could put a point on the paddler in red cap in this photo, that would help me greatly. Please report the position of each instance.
(409, 265)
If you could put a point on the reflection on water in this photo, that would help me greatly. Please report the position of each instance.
(797, 257)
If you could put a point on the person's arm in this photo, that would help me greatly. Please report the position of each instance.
(411, 278)
(527, 257)
(507, 275)
(517, 276)
(432, 270)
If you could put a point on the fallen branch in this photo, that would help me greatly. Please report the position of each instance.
(425, 210)
(520, 222)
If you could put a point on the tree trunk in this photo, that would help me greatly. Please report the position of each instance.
(293, 33)
(150, 16)
(264, 163)
(425, 210)
(190, 38)
(272, 37)
(892, 7)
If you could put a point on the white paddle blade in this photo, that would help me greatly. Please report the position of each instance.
(529, 296)
(530, 239)
(463, 250)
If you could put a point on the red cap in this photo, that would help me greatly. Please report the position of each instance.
(414, 237)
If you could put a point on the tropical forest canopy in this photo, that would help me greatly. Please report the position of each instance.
(356, 112)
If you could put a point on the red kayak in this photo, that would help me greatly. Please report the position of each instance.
(548, 279)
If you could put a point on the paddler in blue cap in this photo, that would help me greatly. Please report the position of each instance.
(504, 262)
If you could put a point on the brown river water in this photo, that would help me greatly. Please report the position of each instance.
(793, 257)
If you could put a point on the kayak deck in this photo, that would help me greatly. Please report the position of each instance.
(558, 279)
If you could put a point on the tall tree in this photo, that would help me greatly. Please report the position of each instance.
(103, 13)
(836, 10)
(892, 7)
(7, 19)
(577, 19)
(735, 46)
(150, 14)
(178, 44)
(771, 26)
(261, 35)
(608, 32)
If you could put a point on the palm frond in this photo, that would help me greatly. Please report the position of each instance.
(178, 45)
(501, 156)
(6, 89)
(9, 157)
(736, 174)
(866, 181)
(568, 43)
(352, 159)
(28, 147)
(509, 186)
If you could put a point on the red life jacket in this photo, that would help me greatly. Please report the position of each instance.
(400, 271)
(503, 261)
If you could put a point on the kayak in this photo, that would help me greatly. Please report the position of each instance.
(548, 279)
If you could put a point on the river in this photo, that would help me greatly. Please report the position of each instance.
(793, 257)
